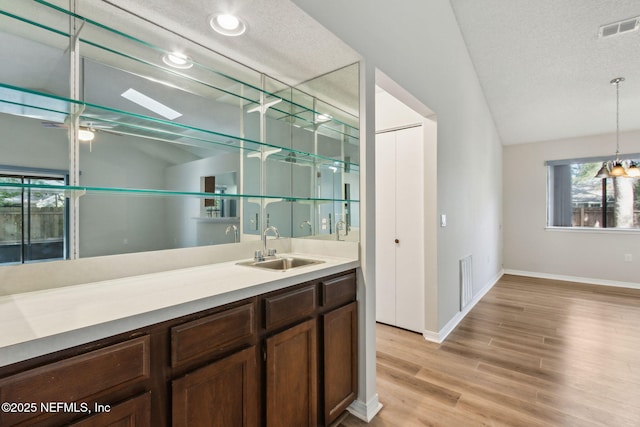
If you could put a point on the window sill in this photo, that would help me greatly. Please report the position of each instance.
(594, 230)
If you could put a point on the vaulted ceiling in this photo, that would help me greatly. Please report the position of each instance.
(544, 69)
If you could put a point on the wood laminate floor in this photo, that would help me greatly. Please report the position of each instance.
(532, 352)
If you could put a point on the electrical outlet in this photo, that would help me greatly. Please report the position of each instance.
(628, 258)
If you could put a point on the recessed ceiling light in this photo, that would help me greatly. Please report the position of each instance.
(86, 135)
(228, 25)
(323, 117)
(177, 60)
(150, 104)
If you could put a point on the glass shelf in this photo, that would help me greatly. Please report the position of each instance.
(220, 220)
(79, 191)
(129, 181)
(55, 109)
(211, 75)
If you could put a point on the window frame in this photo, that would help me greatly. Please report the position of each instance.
(550, 201)
(39, 173)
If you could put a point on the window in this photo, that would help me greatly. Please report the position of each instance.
(577, 199)
(32, 221)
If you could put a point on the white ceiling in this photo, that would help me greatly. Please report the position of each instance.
(545, 73)
(281, 40)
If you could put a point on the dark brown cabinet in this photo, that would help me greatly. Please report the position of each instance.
(222, 394)
(286, 308)
(287, 358)
(291, 377)
(340, 338)
(339, 330)
(64, 390)
(291, 356)
(134, 412)
(209, 336)
(215, 372)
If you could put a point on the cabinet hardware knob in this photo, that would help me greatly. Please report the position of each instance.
(397, 241)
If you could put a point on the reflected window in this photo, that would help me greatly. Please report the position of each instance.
(32, 220)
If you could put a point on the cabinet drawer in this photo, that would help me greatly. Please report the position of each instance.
(76, 379)
(287, 308)
(212, 335)
(339, 290)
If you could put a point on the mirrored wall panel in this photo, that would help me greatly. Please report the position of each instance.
(140, 147)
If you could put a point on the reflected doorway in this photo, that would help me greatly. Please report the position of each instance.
(32, 221)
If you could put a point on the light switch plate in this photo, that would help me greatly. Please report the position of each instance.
(443, 220)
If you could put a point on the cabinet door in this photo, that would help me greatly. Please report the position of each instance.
(386, 228)
(409, 296)
(222, 394)
(340, 335)
(400, 228)
(134, 412)
(291, 377)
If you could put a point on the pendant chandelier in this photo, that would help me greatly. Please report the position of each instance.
(616, 168)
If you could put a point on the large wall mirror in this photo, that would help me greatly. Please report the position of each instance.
(112, 145)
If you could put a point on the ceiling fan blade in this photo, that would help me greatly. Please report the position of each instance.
(54, 125)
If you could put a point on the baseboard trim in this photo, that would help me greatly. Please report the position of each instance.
(577, 279)
(365, 411)
(442, 334)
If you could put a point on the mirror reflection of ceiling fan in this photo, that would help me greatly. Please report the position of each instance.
(87, 128)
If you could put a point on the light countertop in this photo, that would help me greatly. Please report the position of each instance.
(44, 321)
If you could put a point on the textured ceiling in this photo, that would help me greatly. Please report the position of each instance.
(544, 71)
(281, 40)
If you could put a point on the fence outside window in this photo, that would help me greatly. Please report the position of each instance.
(32, 223)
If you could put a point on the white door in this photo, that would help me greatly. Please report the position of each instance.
(410, 229)
(400, 228)
(386, 228)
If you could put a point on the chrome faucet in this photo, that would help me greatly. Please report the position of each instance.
(303, 223)
(340, 225)
(260, 256)
(233, 228)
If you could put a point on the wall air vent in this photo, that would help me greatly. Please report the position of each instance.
(620, 27)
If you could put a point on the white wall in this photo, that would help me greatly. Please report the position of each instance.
(391, 113)
(596, 255)
(27, 143)
(116, 224)
(418, 45)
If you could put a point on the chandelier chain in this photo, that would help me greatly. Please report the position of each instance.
(617, 119)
